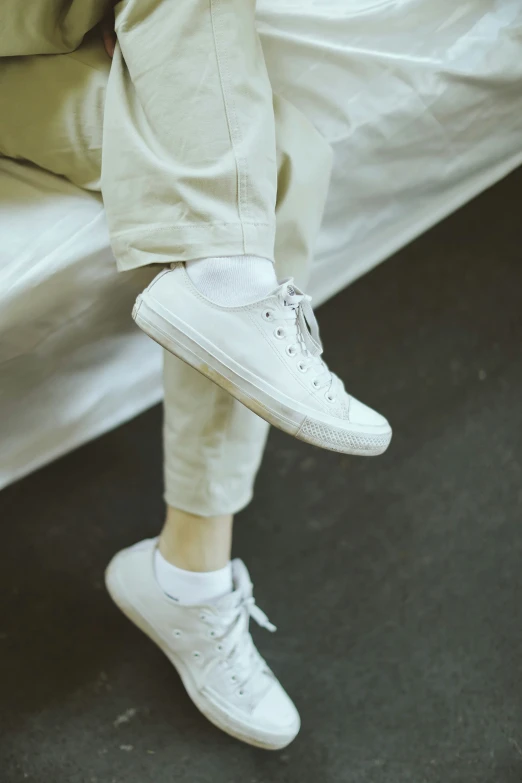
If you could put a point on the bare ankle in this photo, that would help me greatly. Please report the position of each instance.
(196, 543)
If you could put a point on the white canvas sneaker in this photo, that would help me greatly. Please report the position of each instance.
(211, 648)
(267, 355)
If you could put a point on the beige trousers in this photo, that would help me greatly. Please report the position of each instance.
(194, 156)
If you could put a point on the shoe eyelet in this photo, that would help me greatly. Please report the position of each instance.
(301, 366)
(280, 333)
(316, 384)
(219, 648)
(196, 654)
(203, 617)
(328, 397)
(268, 315)
(241, 693)
(212, 634)
(233, 678)
(291, 350)
(177, 633)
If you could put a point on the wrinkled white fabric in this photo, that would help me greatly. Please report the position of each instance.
(420, 100)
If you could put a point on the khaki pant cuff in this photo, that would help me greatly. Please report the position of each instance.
(166, 244)
(205, 504)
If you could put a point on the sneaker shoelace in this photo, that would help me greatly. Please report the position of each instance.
(301, 327)
(236, 644)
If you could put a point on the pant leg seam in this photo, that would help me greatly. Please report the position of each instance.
(231, 115)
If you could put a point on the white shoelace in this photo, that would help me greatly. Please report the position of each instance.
(234, 640)
(303, 328)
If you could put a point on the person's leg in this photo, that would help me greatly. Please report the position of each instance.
(196, 543)
(213, 444)
(212, 449)
(189, 154)
(51, 110)
(189, 107)
(190, 123)
(193, 558)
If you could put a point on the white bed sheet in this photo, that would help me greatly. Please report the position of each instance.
(422, 102)
(72, 364)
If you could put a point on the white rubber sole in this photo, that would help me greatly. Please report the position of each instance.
(173, 335)
(263, 740)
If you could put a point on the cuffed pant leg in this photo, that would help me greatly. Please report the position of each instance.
(213, 445)
(189, 154)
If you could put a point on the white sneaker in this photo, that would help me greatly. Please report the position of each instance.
(211, 648)
(267, 355)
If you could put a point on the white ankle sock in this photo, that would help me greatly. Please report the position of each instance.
(233, 281)
(192, 588)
